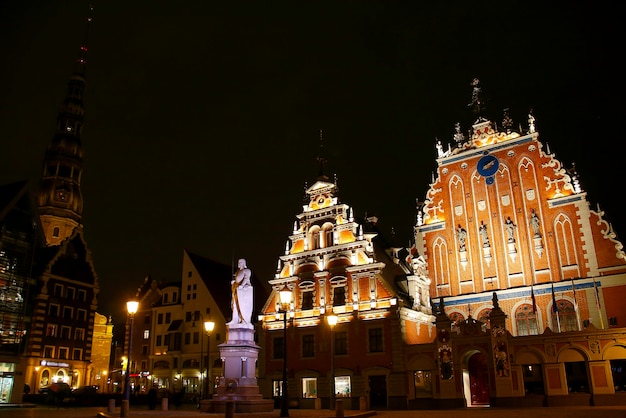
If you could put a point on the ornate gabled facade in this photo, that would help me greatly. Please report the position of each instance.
(334, 264)
(503, 213)
(507, 236)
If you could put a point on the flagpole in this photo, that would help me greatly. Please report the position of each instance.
(597, 292)
(555, 309)
(576, 306)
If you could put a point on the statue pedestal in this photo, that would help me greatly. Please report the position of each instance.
(238, 385)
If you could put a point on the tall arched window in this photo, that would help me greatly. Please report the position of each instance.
(314, 236)
(567, 317)
(526, 320)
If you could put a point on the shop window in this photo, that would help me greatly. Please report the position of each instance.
(343, 387)
(309, 387)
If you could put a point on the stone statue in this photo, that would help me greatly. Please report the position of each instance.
(462, 236)
(242, 297)
(483, 234)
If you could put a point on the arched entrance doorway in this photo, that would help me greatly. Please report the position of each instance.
(476, 380)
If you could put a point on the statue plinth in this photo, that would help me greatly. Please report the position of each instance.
(239, 384)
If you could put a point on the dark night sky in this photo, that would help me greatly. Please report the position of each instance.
(203, 117)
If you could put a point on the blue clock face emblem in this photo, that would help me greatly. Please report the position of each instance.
(487, 166)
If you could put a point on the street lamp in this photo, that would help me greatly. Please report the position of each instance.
(285, 302)
(208, 327)
(132, 307)
(332, 321)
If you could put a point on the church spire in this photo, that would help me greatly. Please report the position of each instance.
(60, 199)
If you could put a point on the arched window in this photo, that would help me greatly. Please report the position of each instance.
(328, 236)
(483, 317)
(55, 231)
(567, 317)
(526, 320)
(314, 234)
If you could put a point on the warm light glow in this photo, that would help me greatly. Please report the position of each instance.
(132, 306)
(209, 326)
(285, 297)
(332, 320)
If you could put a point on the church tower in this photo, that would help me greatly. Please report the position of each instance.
(59, 198)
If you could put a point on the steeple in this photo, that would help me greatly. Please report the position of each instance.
(60, 200)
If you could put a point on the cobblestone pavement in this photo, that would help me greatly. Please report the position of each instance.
(191, 412)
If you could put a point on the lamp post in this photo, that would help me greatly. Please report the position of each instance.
(208, 327)
(285, 302)
(332, 321)
(132, 307)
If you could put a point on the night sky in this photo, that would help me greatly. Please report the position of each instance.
(203, 118)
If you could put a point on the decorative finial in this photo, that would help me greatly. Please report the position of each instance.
(458, 135)
(531, 122)
(507, 122)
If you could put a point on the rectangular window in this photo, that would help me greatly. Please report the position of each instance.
(339, 296)
(307, 300)
(277, 388)
(158, 341)
(51, 330)
(77, 354)
(66, 332)
(342, 386)
(48, 351)
(146, 319)
(187, 316)
(82, 295)
(308, 345)
(168, 317)
(79, 334)
(196, 337)
(166, 298)
(70, 292)
(160, 318)
(166, 340)
(146, 334)
(341, 343)
(277, 348)
(58, 290)
(144, 350)
(187, 338)
(81, 315)
(54, 310)
(375, 340)
(309, 387)
(63, 353)
(68, 312)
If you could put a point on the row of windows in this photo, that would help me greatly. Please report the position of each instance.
(69, 292)
(67, 312)
(52, 330)
(308, 387)
(374, 340)
(63, 353)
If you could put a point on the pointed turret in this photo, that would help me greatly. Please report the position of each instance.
(60, 199)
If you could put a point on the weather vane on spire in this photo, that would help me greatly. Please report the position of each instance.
(476, 104)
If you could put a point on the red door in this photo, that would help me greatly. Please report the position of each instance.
(479, 379)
